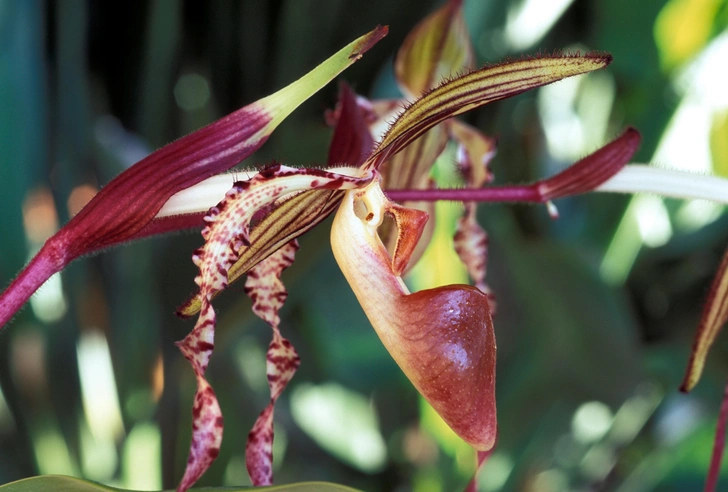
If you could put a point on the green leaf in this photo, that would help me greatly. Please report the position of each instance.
(59, 483)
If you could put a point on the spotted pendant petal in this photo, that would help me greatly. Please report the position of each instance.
(268, 294)
(207, 425)
(226, 234)
(230, 220)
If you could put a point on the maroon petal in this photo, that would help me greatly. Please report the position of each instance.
(593, 170)
(131, 200)
(584, 176)
(352, 143)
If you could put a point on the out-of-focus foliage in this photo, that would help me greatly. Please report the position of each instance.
(595, 311)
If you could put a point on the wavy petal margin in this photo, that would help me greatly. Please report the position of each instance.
(226, 234)
(436, 49)
(352, 143)
(268, 294)
(131, 200)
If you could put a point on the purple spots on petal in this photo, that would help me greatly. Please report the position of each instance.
(268, 294)
(226, 236)
(206, 433)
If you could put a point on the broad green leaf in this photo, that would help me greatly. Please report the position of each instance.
(59, 483)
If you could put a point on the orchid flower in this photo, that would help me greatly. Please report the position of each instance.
(253, 230)
(442, 338)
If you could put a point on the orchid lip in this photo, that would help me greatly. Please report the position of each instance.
(441, 338)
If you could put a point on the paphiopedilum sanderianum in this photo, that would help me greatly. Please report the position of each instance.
(442, 338)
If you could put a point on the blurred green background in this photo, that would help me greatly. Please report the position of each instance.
(596, 311)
